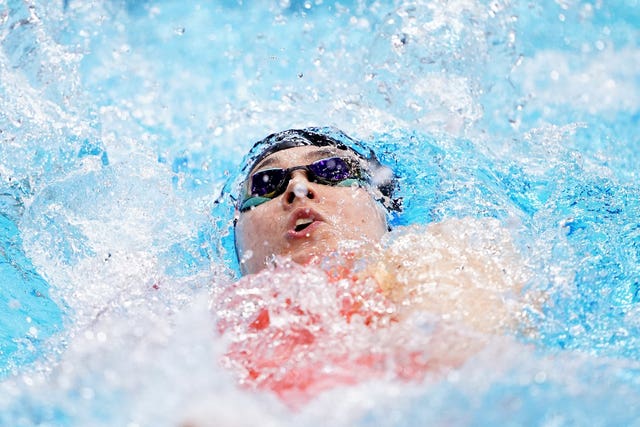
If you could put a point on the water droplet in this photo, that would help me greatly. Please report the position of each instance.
(381, 175)
(87, 393)
(300, 190)
(247, 255)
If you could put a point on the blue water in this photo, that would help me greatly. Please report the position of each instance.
(121, 121)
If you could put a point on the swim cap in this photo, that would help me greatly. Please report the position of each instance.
(383, 177)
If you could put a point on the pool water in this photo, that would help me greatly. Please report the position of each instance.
(121, 122)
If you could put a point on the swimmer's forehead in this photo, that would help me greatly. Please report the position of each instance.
(296, 156)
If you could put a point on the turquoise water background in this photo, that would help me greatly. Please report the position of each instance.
(120, 122)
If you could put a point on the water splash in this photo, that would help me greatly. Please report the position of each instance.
(110, 156)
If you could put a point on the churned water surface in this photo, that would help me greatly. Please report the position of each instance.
(121, 122)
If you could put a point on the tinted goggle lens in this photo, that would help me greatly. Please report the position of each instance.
(267, 182)
(333, 169)
(270, 183)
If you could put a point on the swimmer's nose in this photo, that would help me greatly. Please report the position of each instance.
(298, 187)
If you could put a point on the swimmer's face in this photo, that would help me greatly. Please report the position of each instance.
(309, 219)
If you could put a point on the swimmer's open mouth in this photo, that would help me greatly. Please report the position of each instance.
(302, 223)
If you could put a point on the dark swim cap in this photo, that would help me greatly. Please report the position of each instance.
(383, 177)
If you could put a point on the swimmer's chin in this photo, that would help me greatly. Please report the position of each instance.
(279, 262)
(301, 258)
(315, 254)
(312, 254)
(311, 250)
(307, 258)
(345, 248)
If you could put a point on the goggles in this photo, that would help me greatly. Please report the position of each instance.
(268, 184)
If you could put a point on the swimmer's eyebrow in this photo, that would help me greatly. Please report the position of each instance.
(321, 153)
(267, 162)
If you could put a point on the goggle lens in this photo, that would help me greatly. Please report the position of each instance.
(266, 183)
(270, 183)
(334, 169)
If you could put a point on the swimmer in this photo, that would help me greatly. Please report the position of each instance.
(312, 214)
(305, 193)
